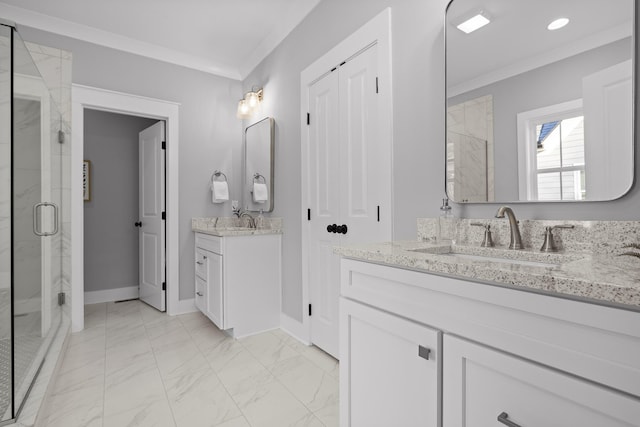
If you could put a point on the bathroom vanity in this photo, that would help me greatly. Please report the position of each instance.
(433, 337)
(238, 276)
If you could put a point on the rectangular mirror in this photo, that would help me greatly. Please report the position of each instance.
(259, 146)
(539, 114)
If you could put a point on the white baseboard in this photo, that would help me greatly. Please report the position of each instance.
(296, 329)
(183, 306)
(109, 295)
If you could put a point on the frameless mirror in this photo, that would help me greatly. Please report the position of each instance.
(536, 113)
(259, 145)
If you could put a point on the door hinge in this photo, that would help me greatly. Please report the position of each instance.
(309, 309)
(308, 119)
(164, 286)
(308, 214)
(164, 145)
(164, 215)
(376, 85)
(61, 298)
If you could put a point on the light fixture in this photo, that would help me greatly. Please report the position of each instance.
(557, 24)
(249, 104)
(474, 23)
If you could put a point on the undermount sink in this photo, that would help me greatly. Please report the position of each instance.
(505, 256)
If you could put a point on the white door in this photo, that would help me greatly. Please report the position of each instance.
(324, 201)
(349, 178)
(151, 208)
(608, 118)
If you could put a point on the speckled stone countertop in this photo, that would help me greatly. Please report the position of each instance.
(231, 226)
(600, 276)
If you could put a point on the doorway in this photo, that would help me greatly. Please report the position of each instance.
(85, 97)
(112, 258)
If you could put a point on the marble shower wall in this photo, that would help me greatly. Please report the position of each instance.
(470, 162)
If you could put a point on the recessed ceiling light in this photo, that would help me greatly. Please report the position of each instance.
(473, 23)
(557, 24)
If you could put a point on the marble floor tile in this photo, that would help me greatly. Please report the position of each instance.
(134, 366)
(200, 399)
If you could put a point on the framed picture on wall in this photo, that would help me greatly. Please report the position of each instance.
(86, 180)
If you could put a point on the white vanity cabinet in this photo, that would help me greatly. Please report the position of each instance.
(526, 358)
(238, 281)
(393, 369)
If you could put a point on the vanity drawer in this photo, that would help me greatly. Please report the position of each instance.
(202, 264)
(209, 243)
(483, 386)
(201, 295)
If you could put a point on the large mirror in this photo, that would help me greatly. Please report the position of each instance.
(536, 113)
(259, 145)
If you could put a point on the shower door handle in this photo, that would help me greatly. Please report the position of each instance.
(36, 223)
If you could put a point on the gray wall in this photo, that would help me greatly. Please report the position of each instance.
(110, 238)
(210, 134)
(548, 85)
(418, 124)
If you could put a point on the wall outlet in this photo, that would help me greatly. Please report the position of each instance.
(234, 205)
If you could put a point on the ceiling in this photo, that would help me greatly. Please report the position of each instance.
(223, 37)
(517, 38)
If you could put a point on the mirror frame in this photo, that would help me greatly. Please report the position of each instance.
(634, 59)
(247, 181)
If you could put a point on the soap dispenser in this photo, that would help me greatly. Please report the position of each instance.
(260, 221)
(446, 224)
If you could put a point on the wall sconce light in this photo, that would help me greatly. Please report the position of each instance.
(249, 104)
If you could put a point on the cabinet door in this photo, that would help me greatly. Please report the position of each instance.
(201, 295)
(201, 263)
(215, 290)
(389, 369)
(483, 386)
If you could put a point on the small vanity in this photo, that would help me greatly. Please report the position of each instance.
(238, 274)
(460, 335)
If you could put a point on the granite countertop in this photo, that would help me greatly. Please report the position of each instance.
(225, 227)
(601, 278)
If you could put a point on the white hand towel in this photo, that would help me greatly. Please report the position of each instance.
(260, 192)
(220, 191)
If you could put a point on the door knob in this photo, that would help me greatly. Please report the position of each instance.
(342, 229)
(138, 224)
(333, 228)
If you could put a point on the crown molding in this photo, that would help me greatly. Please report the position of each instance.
(114, 41)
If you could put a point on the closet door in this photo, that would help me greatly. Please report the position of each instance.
(324, 198)
(365, 153)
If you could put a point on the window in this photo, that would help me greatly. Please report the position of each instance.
(551, 159)
(560, 159)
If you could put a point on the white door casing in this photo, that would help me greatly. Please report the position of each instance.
(151, 208)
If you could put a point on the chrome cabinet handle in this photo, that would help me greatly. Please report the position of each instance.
(36, 227)
(502, 418)
(199, 262)
(199, 294)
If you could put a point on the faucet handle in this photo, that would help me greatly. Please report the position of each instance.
(487, 242)
(549, 244)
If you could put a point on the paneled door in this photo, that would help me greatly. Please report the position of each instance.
(151, 211)
(348, 167)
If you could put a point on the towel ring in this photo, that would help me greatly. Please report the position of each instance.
(218, 174)
(257, 176)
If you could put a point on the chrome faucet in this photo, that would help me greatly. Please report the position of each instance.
(516, 239)
(252, 221)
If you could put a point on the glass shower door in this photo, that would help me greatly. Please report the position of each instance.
(35, 201)
(6, 359)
